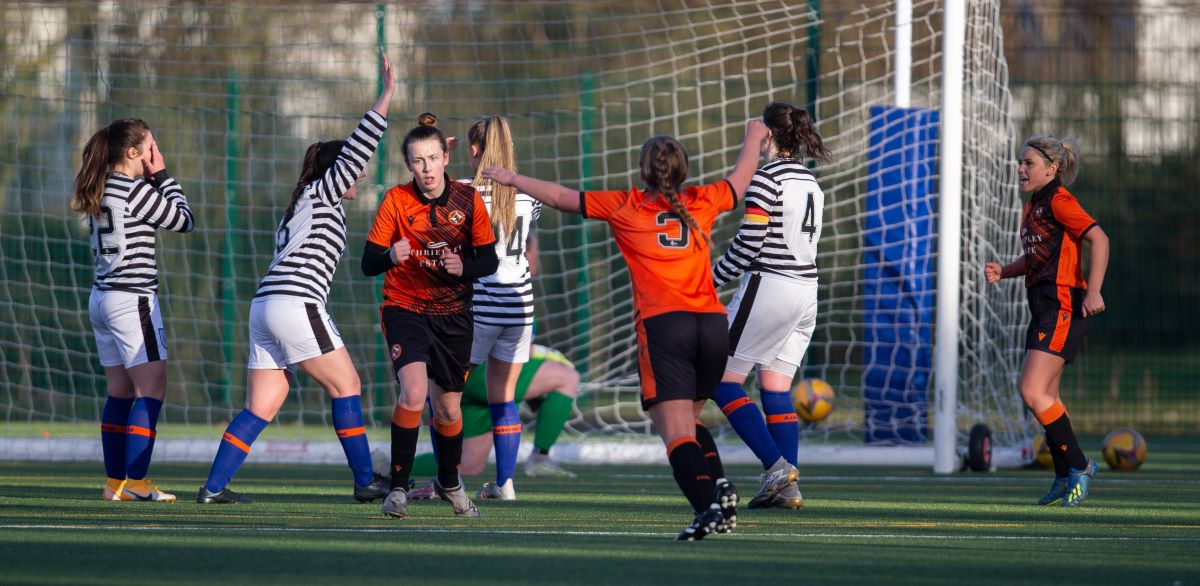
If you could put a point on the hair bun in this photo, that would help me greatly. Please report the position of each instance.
(427, 119)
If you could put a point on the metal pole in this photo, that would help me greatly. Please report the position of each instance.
(945, 431)
(903, 73)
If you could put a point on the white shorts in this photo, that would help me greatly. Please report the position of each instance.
(771, 322)
(286, 330)
(129, 328)
(507, 343)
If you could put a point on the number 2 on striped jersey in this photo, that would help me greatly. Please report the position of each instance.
(99, 230)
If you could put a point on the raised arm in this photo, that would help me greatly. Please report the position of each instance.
(557, 196)
(748, 242)
(747, 161)
(361, 144)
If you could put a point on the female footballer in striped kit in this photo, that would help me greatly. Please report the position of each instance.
(288, 322)
(773, 314)
(503, 301)
(663, 233)
(1061, 302)
(125, 193)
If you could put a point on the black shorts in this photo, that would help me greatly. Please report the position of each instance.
(1058, 326)
(442, 342)
(681, 355)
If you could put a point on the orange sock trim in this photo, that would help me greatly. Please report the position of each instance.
(112, 428)
(138, 430)
(237, 443)
(1052, 413)
(407, 419)
(351, 432)
(505, 429)
(679, 441)
(782, 418)
(735, 404)
(448, 429)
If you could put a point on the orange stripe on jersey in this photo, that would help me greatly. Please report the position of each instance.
(1069, 272)
(112, 428)
(1052, 413)
(351, 432)
(138, 430)
(645, 370)
(506, 429)
(406, 419)
(679, 441)
(782, 418)
(235, 442)
(735, 405)
(448, 429)
(1062, 323)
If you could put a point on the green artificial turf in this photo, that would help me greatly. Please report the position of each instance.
(612, 525)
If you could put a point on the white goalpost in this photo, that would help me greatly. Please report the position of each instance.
(910, 96)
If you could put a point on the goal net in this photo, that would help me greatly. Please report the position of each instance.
(235, 92)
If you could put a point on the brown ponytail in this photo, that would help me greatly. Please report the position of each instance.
(106, 148)
(318, 158)
(664, 168)
(493, 137)
(793, 133)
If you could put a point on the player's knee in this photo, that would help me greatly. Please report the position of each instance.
(570, 385)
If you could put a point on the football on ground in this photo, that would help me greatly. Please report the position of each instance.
(1124, 449)
(813, 398)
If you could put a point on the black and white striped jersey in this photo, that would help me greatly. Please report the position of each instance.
(505, 298)
(781, 228)
(122, 235)
(310, 241)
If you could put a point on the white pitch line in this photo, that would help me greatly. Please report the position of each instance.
(974, 478)
(522, 532)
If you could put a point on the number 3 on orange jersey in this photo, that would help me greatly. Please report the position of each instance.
(664, 238)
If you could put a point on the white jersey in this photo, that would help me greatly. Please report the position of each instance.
(781, 228)
(122, 236)
(505, 298)
(310, 241)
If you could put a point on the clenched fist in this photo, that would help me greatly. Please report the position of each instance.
(452, 263)
(400, 251)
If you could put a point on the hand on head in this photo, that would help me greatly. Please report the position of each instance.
(152, 161)
(500, 175)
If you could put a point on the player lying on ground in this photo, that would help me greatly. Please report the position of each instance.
(548, 384)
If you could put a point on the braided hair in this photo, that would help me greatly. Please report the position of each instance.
(664, 168)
